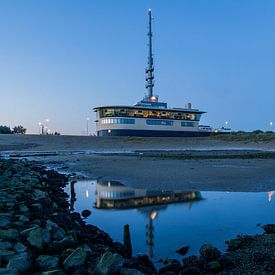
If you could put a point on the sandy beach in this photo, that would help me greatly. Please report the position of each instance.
(202, 164)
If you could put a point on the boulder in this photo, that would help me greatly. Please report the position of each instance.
(5, 245)
(8, 271)
(59, 234)
(86, 213)
(209, 252)
(109, 263)
(23, 208)
(20, 263)
(26, 232)
(76, 259)
(38, 194)
(5, 254)
(51, 226)
(128, 271)
(46, 262)
(269, 228)
(214, 266)
(39, 237)
(66, 242)
(9, 234)
(53, 272)
(19, 247)
(183, 250)
(4, 221)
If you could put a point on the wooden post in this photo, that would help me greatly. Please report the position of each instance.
(127, 240)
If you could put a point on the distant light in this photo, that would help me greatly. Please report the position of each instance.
(270, 123)
(153, 215)
(88, 118)
(39, 123)
(149, 10)
(87, 193)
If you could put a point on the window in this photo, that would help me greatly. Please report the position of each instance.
(117, 121)
(188, 124)
(159, 122)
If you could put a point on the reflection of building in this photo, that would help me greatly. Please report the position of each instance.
(111, 194)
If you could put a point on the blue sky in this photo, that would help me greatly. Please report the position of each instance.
(61, 58)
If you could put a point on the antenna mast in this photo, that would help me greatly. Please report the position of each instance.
(150, 68)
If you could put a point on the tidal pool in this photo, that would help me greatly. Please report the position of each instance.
(163, 221)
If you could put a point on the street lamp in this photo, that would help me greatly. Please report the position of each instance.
(270, 125)
(87, 125)
(226, 123)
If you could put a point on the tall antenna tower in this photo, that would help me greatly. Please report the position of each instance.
(150, 68)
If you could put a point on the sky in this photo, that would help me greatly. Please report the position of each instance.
(61, 58)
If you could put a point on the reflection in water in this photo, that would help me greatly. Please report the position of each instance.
(73, 195)
(270, 194)
(114, 195)
(220, 217)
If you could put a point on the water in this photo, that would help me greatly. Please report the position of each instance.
(159, 229)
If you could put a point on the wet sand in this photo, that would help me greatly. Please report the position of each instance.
(209, 166)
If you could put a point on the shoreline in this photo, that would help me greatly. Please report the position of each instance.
(36, 208)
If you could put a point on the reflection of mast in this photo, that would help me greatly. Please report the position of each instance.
(270, 194)
(150, 234)
(73, 195)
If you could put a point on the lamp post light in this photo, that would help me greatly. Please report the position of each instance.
(270, 125)
(226, 123)
(87, 125)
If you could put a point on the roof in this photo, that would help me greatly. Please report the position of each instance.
(152, 108)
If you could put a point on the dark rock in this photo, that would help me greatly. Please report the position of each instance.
(52, 226)
(59, 234)
(66, 242)
(234, 244)
(9, 234)
(86, 213)
(269, 228)
(19, 247)
(20, 263)
(191, 271)
(23, 208)
(6, 245)
(209, 252)
(53, 272)
(183, 250)
(142, 263)
(75, 260)
(109, 263)
(4, 221)
(26, 232)
(39, 237)
(46, 262)
(214, 266)
(5, 255)
(38, 194)
(171, 266)
(8, 271)
(128, 271)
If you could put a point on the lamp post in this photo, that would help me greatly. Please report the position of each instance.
(87, 125)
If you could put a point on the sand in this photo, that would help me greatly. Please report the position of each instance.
(155, 171)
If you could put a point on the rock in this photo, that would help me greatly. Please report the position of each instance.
(4, 221)
(20, 263)
(46, 262)
(9, 234)
(76, 259)
(191, 271)
(26, 232)
(39, 237)
(24, 218)
(19, 247)
(128, 271)
(109, 263)
(269, 228)
(171, 266)
(86, 213)
(214, 266)
(5, 254)
(23, 208)
(234, 244)
(52, 226)
(59, 234)
(53, 272)
(209, 252)
(38, 194)
(66, 242)
(8, 271)
(5, 245)
(183, 250)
